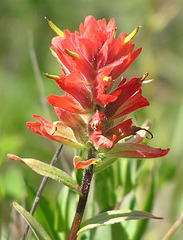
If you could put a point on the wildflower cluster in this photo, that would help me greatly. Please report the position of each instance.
(93, 112)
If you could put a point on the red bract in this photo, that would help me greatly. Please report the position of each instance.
(90, 113)
(60, 132)
(91, 60)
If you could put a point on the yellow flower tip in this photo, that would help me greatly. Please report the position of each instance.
(114, 32)
(55, 77)
(72, 54)
(144, 76)
(55, 28)
(14, 157)
(107, 79)
(131, 35)
(141, 79)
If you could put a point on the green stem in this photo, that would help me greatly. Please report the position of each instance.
(88, 173)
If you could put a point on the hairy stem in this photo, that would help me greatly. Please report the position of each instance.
(87, 177)
(41, 187)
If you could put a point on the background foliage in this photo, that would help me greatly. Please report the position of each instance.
(25, 32)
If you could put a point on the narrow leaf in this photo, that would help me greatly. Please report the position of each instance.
(37, 229)
(45, 169)
(44, 212)
(118, 230)
(104, 164)
(104, 190)
(148, 204)
(114, 216)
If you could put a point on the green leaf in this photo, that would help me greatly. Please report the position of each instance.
(60, 213)
(104, 190)
(118, 230)
(52, 172)
(45, 169)
(104, 164)
(147, 206)
(101, 233)
(126, 174)
(45, 212)
(65, 210)
(114, 216)
(38, 230)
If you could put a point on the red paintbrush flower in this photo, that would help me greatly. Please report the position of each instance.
(91, 60)
(90, 112)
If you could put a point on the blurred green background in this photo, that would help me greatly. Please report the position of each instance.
(25, 32)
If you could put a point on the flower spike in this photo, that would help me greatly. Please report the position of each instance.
(93, 116)
(94, 110)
